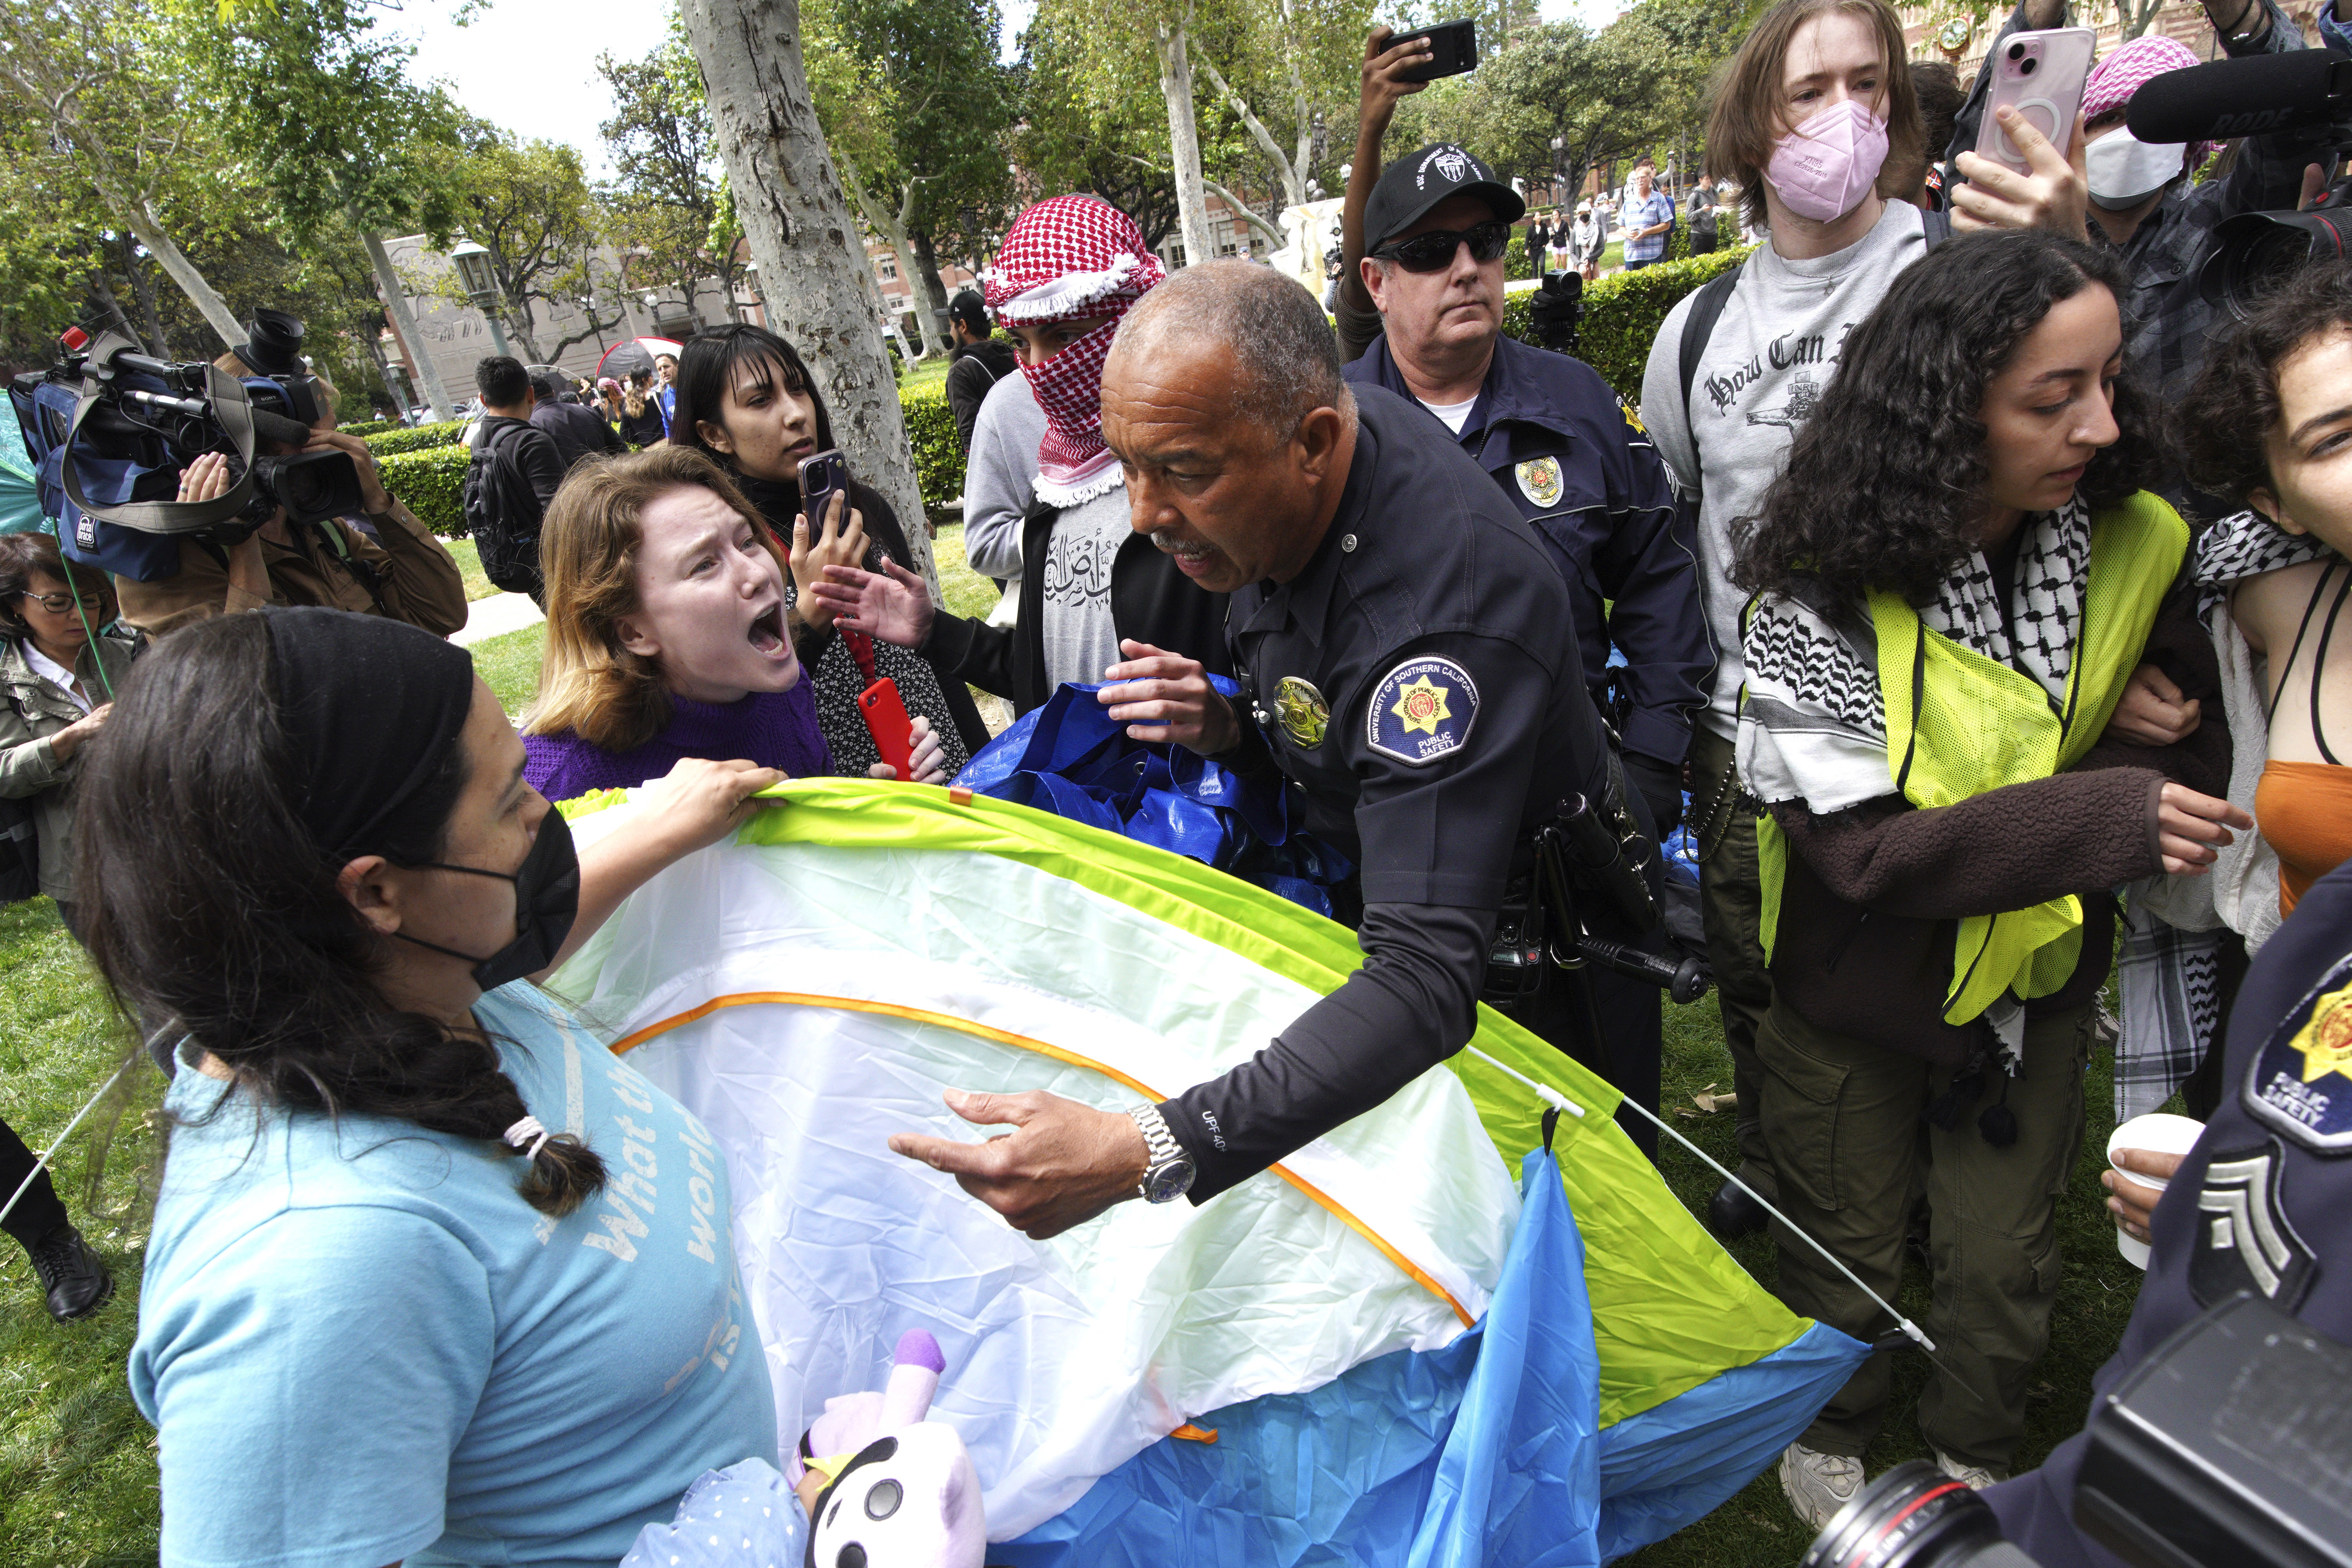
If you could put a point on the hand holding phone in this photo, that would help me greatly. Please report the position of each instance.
(886, 721)
(1452, 50)
(2040, 75)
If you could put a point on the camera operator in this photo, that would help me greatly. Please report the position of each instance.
(2258, 1205)
(2136, 199)
(389, 565)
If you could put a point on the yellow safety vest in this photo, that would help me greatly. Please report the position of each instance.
(1959, 724)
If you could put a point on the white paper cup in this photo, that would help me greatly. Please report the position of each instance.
(2159, 1134)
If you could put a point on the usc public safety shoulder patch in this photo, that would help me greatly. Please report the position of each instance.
(2300, 1085)
(1421, 711)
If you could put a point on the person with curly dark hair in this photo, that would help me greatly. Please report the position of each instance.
(2268, 428)
(1954, 580)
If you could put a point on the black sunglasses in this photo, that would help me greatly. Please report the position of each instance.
(1434, 251)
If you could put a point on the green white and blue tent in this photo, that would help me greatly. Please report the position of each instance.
(1420, 1339)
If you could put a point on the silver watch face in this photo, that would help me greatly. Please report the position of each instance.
(1167, 1181)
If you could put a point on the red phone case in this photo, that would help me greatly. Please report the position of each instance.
(886, 721)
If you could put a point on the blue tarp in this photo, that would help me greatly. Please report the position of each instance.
(1070, 758)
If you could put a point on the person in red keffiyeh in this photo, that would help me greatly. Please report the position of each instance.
(2137, 198)
(1071, 262)
(1097, 601)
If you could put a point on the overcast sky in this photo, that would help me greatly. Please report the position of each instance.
(531, 65)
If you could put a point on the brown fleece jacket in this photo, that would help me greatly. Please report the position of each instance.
(1869, 908)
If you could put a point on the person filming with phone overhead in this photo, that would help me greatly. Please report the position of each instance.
(2108, 187)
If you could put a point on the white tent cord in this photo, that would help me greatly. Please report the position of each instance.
(1553, 1098)
(43, 1163)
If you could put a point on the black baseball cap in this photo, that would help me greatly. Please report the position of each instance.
(971, 311)
(1409, 187)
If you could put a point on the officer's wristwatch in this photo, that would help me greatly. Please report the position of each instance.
(1170, 1175)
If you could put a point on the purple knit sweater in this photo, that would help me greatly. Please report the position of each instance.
(773, 729)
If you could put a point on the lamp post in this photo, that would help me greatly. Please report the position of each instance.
(481, 287)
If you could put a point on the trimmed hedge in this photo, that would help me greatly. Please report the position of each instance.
(939, 448)
(415, 438)
(1622, 313)
(432, 484)
(365, 427)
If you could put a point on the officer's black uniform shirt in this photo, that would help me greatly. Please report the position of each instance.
(1550, 435)
(2262, 1203)
(1420, 680)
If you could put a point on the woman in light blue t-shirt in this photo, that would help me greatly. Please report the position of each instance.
(433, 1276)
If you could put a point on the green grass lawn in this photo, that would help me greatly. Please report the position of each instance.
(926, 375)
(469, 566)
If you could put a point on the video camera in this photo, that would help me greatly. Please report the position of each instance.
(2228, 1447)
(109, 428)
(2304, 95)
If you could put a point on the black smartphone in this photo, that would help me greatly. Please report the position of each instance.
(821, 477)
(1452, 50)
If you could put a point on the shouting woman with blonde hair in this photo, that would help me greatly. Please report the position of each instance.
(669, 634)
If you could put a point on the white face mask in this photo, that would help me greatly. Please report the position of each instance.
(2124, 170)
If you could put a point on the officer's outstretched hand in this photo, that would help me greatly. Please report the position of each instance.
(1167, 697)
(1062, 1165)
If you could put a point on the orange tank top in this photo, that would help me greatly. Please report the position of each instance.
(2305, 813)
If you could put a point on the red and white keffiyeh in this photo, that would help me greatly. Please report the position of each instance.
(2122, 73)
(1070, 259)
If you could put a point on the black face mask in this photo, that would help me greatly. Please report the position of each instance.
(547, 900)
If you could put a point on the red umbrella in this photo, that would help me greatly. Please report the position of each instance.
(635, 356)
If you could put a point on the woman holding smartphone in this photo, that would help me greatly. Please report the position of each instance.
(746, 400)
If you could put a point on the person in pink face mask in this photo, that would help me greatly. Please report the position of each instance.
(1816, 112)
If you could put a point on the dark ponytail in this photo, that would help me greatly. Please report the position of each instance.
(212, 905)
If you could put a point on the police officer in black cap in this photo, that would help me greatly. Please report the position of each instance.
(1410, 654)
(1421, 302)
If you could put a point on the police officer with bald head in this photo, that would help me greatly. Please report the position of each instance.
(1399, 632)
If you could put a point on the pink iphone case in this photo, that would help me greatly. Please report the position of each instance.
(2040, 75)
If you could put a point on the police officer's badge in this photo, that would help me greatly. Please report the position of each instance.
(2244, 1240)
(1421, 712)
(2300, 1085)
(1303, 714)
(1539, 480)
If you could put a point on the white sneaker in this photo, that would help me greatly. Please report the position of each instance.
(1975, 1477)
(1818, 1484)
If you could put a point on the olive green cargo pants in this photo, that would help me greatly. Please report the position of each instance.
(1731, 903)
(1845, 1124)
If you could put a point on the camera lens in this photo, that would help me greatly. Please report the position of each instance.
(1914, 1516)
(2017, 51)
(2027, 68)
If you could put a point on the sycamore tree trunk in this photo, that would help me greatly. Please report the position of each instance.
(182, 271)
(1167, 41)
(797, 218)
(927, 257)
(404, 323)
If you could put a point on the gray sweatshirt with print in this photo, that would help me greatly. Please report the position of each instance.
(1771, 353)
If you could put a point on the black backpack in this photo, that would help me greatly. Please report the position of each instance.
(502, 513)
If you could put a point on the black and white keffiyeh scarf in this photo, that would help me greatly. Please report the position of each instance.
(2245, 545)
(1813, 725)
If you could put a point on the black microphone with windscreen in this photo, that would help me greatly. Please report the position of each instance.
(2257, 95)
